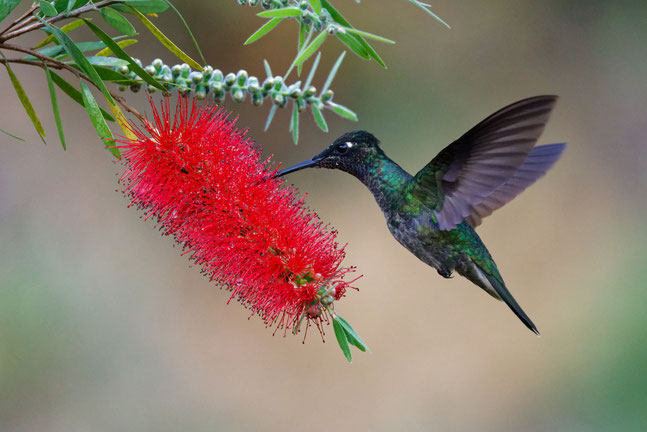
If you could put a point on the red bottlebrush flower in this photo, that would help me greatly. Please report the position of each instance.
(205, 184)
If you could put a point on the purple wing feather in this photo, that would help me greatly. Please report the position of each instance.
(539, 161)
(485, 158)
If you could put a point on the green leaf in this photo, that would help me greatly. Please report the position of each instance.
(6, 6)
(342, 111)
(351, 42)
(117, 21)
(281, 13)
(311, 75)
(75, 4)
(47, 8)
(24, 100)
(352, 336)
(112, 75)
(78, 57)
(65, 29)
(186, 26)
(265, 29)
(97, 119)
(332, 73)
(425, 7)
(294, 123)
(121, 44)
(106, 61)
(316, 6)
(303, 33)
(11, 135)
(166, 41)
(338, 18)
(116, 49)
(270, 116)
(143, 6)
(268, 70)
(342, 340)
(368, 35)
(319, 118)
(57, 114)
(74, 94)
(311, 48)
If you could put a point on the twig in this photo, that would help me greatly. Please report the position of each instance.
(22, 17)
(60, 65)
(36, 25)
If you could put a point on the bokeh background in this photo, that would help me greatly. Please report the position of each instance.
(104, 326)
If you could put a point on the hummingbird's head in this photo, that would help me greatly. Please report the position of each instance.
(348, 153)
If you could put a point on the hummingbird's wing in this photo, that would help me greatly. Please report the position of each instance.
(539, 161)
(474, 166)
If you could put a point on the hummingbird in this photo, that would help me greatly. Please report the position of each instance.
(434, 213)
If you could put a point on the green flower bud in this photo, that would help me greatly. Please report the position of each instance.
(186, 70)
(241, 77)
(257, 99)
(122, 88)
(151, 88)
(135, 87)
(296, 93)
(304, 5)
(278, 82)
(123, 69)
(217, 75)
(207, 72)
(301, 105)
(252, 84)
(266, 4)
(327, 96)
(253, 2)
(196, 77)
(157, 64)
(312, 90)
(176, 70)
(268, 83)
(150, 70)
(279, 100)
(230, 79)
(200, 93)
(238, 95)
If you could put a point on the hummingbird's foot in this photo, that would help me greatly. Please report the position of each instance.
(446, 273)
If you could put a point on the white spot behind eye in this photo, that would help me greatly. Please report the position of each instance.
(349, 144)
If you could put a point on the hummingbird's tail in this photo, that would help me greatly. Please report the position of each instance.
(493, 285)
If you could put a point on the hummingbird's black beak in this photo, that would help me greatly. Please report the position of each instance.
(305, 164)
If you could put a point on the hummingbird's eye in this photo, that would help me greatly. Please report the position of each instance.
(343, 148)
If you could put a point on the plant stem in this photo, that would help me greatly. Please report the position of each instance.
(27, 27)
(57, 64)
(20, 18)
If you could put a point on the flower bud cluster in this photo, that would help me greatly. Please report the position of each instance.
(309, 17)
(213, 82)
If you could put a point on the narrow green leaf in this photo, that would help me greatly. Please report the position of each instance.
(11, 135)
(65, 29)
(6, 6)
(119, 52)
(281, 13)
(268, 70)
(265, 29)
(351, 42)
(332, 73)
(24, 100)
(425, 7)
(143, 6)
(311, 48)
(186, 26)
(166, 41)
(342, 340)
(342, 111)
(78, 57)
(313, 70)
(97, 120)
(352, 336)
(117, 21)
(106, 61)
(74, 94)
(47, 8)
(368, 35)
(57, 114)
(316, 6)
(111, 75)
(270, 116)
(303, 33)
(75, 4)
(339, 18)
(319, 118)
(294, 123)
(121, 44)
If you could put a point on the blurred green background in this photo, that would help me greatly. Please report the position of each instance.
(105, 327)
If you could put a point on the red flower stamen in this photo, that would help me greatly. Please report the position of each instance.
(206, 185)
